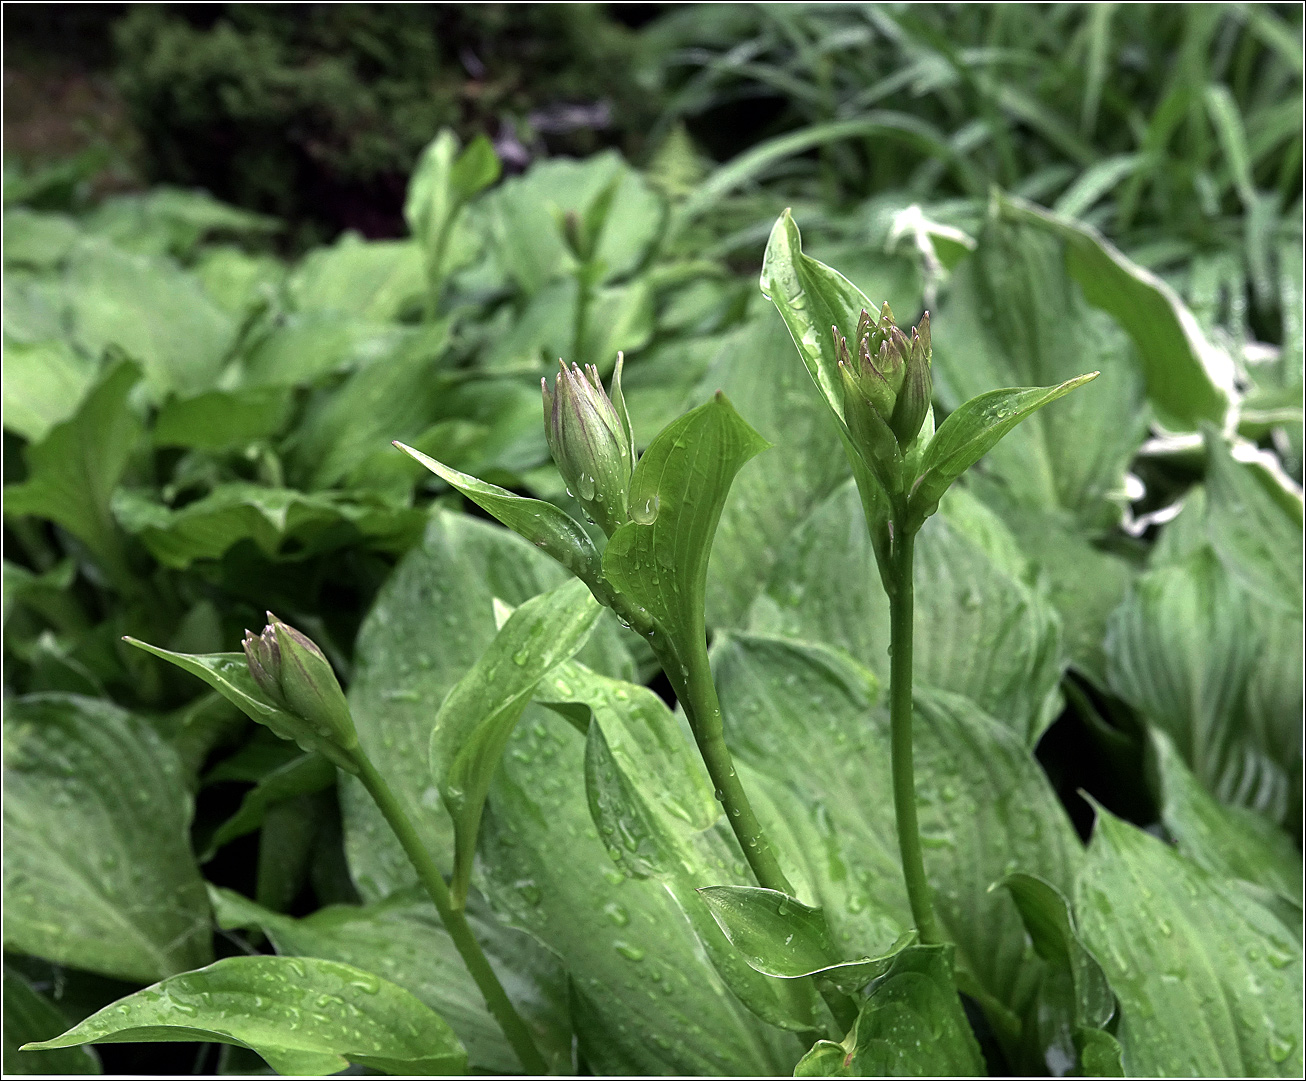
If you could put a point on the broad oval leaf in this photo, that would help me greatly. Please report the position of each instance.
(1182, 648)
(97, 815)
(1178, 946)
(659, 559)
(649, 1000)
(911, 1025)
(652, 802)
(401, 939)
(430, 623)
(304, 1016)
(1231, 842)
(478, 716)
(970, 431)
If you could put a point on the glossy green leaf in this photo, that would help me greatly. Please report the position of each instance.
(528, 245)
(659, 560)
(228, 674)
(98, 870)
(43, 386)
(982, 628)
(971, 431)
(304, 1016)
(301, 776)
(780, 936)
(151, 309)
(652, 1002)
(73, 471)
(221, 420)
(402, 940)
(29, 1016)
(911, 1025)
(481, 710)
(811, 297)
(1186, 381)
(1209, 982)
(1231, 842)
(430, 623)
(1257, 537)
(755, 368)
(1075, 1002)
(1179, 650)
(653, 804)
(440, 186)
(804, 720)
(1013, 317)
(371, 279)
(544, 525)
(305, 347)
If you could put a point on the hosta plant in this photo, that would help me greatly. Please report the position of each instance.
(805, 867)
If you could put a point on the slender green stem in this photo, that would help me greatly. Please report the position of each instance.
(900, 710)
(455, 921)
(704, 712)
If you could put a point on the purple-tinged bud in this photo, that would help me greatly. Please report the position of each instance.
(294, 673)
(917, 388)
(590, 443)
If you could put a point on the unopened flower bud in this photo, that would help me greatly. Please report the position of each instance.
(917, 387)
(291, 670)
(590, 443)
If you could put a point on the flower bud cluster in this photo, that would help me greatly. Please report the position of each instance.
(887, 384)
(293, 672)
(590, 442)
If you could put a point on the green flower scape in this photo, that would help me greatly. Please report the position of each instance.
(711, 719)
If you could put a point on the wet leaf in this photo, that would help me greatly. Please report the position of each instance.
(304, 1016)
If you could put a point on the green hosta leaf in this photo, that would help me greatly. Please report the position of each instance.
(780, 936)
(43, 386)
(440, 186)
(30, 1016)
(804, 719)
(72, 472)
(981, 629)
(40, 241)
(1231, 842)
(755, 368)
(1179, 947)
(659, 560)
(429, 624)
(970, 431)
(473, 726)
(304, 1016)
(1257, 536)
(651, 1001)
(1179, 650)
(1014, 318)
(301, 776)
(305, 347)
(652, 802)
(911, 1025)
(811, 297)
(528, 245)
(220, 420)
(151, 309)
(402, 940)
(1075, 1001)
(228, 674)
(345, 434)
(98, 871)
(544, 525)
(371, 279)
(1184, 380)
